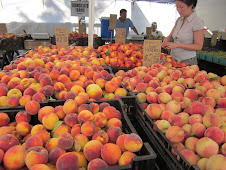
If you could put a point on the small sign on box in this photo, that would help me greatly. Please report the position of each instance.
(148, 31)
(82, 28)
(3, 28)
(214, 38)
(112, 21)
(120, 36)
(80, 8)
(61, 36)
(152, 52)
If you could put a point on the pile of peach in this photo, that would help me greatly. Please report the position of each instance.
(35, 78)
(170, 60)
(188, 106)
(122, 55)
(89, 136)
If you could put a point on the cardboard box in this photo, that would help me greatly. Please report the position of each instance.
(32, 44)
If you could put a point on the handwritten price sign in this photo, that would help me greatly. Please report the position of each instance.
(61, 36)
(120, 36)
(3, 28)
(112, 21)
(152, 52)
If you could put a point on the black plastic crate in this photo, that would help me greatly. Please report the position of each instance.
(12, 44)
(162, 146)
(146, 157)
(115, 69)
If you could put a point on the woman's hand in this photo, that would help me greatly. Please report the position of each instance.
(170, 45)
(165, 41)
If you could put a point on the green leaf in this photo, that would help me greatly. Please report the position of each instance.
(213, 78)
(192, 134)
(108, 53)
(57, 124)
(55, 136)
(52, 99)
(83, 168)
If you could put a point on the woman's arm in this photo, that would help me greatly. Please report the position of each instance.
(196, 46)
(167, 39)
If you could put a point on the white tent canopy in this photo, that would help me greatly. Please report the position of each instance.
(44, 15)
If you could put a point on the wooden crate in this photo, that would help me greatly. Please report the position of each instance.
(32, 44)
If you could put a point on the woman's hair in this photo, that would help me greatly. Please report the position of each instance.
(189, 2)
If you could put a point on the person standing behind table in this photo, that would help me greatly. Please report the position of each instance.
(124, 22)
(188, 33)
(156, 34)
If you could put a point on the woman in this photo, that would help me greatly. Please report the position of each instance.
(188, 33)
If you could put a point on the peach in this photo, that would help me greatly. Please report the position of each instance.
(209, 101)
(22, 116)
(94, 91)
(32, 107)
(215, 162)
(110, 153)
(7, 141)
(54, 74)
(4, 119)
(189, 156)
(14, 92)
(190, 143)
(164, 98)
(24, 99)
(111, 112)
(179, 147)
(48, 90)
(85, 107)
(92, 150)
(13, 101)
(175, 134)
(212, 119)
(33, 141)
(85, 116)
(74, 75)
(65, 141)
(100, 82)
(40, 166)
(3, 91)
(76, 129)
(198, 129)
(49, 120)
(222, 149)
(191, 94)
(5, 130)
(126, 158)
(110, 86)
(133, 142)
(45, 80)
(176, 96)
(69, 85)
(166, 114)
(71, 119)
(63, 78)
(101, 136)
(175, 120)
(163, 125)
(39, 97)
(58, 86)
(195, 118)
(213, 93)
(215, 133)
(202, 163)
(80, 99)
(68, 161)
(100, 120)
(23, 128)
(43, 135)
(196, 107)
(206, 147)
(173, 106)
(61, 129)
(82, 139)
(154, 111)
(185, 117)
(35, 129)
(70, 106)
(114, 133)
(70, 95)
(102, 106)
(61, 95)
(14, 157)
(221, 103)
(97, 164)
(3, 101)
(114, 122)
(82, 162)
(51, 144)
(58, 110)
(1, 155)
(88, 129)
(77, 89)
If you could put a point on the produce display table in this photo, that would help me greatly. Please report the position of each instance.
(32, 44)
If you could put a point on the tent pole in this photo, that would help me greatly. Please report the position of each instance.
(91, 22)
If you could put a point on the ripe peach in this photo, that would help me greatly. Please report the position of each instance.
(126, 158)
(70, 106)
(84, 107)
(58, 110)
(92, 149)
(77, 89)
(175, 134)
(154, 111)
(65, 141)
(85, 116)
(166, 114)
(61, 95)
(13, 101)
(175, 120)
(3, 101)
(62, 129)
(215, 133)
(176, 96)
(190, 143)
(7, 141)
(133, 142)
(173, 106)
(163, 125)
(198, 129)
(40, 166)
(189, 156)
(94, 91)
(195, 118)
(58, 86)
(70, 95)
(110, 153)
(111, 112)
(14, 157)
(213, 93)
(206, 147)
(114, 122)
(35, 129)
(14, 92)
(102, 106)
(82, 139)
(4, 119)
(33, 141)
(23, 128)
(5, 130)
(185, 117)
(67, 161)
(209, 101)
(43, 135)
(88, 129)
(97, 164)
(49, 120)
(223, 149)
(22, 117)
(101, 136)
(76, 129)
(212, 119)
(80, 99)
(196, 107)
(202, 163)
(39, 97)
(63, 78)
(74, 75)
(152, 97)
(100, 119)
(82, 162)
(114, 133)
(221, 103)
(164, 98)
(51, 144)
(24, 99)
(191, 94)
(215, 162)
(71, 119)
(32, 107)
